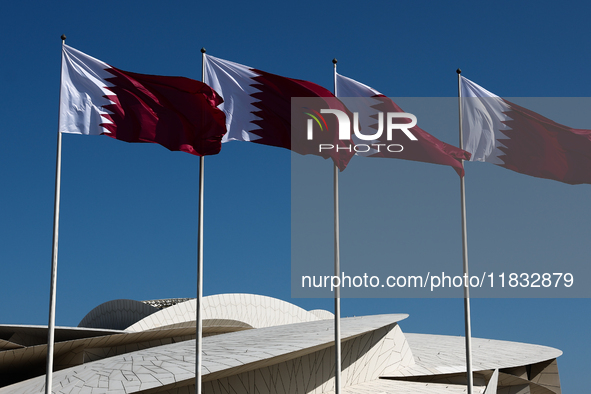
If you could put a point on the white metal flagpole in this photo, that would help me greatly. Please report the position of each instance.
(199, 317)
(56, 219)
(465, 253)
(337, 268)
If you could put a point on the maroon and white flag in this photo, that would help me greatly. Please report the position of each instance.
(503, 133)
(423, 147)
(258, 109)
(176, 112)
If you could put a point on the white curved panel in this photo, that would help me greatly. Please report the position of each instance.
(254, 310)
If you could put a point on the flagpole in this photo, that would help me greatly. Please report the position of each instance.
(199, 322)
(467, 328)
(56, 219)
(337, 268)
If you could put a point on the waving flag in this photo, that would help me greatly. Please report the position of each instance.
(258, 109)
(503, 133)
(425, 148)
(175, 112)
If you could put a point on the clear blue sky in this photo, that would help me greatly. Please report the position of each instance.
(128, 225)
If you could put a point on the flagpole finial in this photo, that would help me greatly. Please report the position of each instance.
(202, 50)
(63, 37)
(459, 71)
(334, 61)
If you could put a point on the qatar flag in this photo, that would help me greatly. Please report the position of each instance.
(368, 103)
(178, 113)
(258, 108)
(506, 134)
